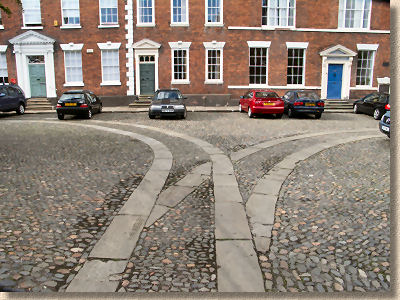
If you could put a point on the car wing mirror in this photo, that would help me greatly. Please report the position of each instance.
(2, 94)
(185, 98)
(241, 97)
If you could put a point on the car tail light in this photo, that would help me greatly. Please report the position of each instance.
(297, 103)
(387, 106)
(58, 105)
(321, 104)
(84, 105)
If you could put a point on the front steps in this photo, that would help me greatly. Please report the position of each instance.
(142, 102)
(39, 104)
(338, 106)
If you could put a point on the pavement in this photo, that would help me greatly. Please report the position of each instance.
(214, 203)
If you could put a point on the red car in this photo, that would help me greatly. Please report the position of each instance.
(261, 102)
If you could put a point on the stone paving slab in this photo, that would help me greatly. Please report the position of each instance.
(222, 164)
(173, 195)
(231, 221)
(95, 276)
(239, 270)
(120, 238)
(192, 180)
(224, 180)
(204, 169)
(227, 194)
(162, 164)
(157, 212)
(268, 185)
(261, 208)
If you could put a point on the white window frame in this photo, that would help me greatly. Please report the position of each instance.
(221, 22)
(109, 46)
(368, 47)
(268, 26)
(29, 26)
(69, 26)
(298, 45)
(260, 44)
(107, 25)
(180, 46)
(3, 49)
(342, 16)
(72, 47)
(1, 22)
(186, 23)
(214, 45)
(138, 16)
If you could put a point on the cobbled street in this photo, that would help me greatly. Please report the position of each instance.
(63, 184)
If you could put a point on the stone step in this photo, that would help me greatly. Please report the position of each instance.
(338, 110)
(339, 106)
(139, 104)
(48, 107)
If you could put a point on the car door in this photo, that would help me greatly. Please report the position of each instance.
(366, 105)
(14, 97)
(249, 100)
(3, 98)
(371, 103)
(95, 101)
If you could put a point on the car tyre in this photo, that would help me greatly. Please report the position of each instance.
(89, 114)
(184, 114)
(21, 109)
(101, 108)
(377, 114)
(151, 116)
(290, 113)
(318, 116)
(240, 108)
(250, 113)
(60, 116)
(355, 109)
(278, 116)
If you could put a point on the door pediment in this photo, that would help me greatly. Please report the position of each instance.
(338, 51)
(31, 38)
(146, 44)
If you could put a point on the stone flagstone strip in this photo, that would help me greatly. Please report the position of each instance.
(261, 204)
(243, 273)
(176, 193)
(235, 156)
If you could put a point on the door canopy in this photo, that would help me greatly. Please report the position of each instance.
(338, 51)
(31, 38)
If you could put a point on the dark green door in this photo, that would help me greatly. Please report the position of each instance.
(147, 79)
(37, 77)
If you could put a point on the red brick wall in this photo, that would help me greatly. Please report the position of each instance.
(89, 35)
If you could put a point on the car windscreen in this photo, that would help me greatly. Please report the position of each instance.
(307, 95)
(266, 95)
(67, 97)
(171, 96)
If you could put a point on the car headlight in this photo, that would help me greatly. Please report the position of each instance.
(155, 107)
(179, 107)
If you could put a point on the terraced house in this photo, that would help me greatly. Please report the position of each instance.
(212, 50)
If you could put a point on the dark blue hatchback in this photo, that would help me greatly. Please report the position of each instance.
(303, 102)
(12, 98)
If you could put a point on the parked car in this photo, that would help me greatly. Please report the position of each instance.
(12, 98)
(384, 123)
(261, 102)
(78, 102)
(372, 104)
(303, 102)
(168, 102)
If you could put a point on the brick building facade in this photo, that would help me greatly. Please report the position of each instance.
(212, 50)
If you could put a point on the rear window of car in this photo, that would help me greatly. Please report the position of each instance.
(172, 96)
(308, 95)
(266, 95)
(72, 97)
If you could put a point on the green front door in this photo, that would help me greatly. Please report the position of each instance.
(147, 79)
(37, 77)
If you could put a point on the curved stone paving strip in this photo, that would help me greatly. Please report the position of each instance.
(261, 205)
(235, 156)
(232, 233)
(119, 240)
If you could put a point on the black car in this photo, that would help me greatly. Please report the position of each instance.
(78, 102)
(12, 98)
(168, 102)
(372, 104)
(384, 124)
(303, 102)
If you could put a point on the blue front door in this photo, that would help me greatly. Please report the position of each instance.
(335, 81)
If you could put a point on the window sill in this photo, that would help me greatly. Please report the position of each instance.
(70, 27)
(108, 26)
(71, 84)
(107, 83)
(146, 25)
(214, 82)
(214, 24)
(32, 27)
(363, 87)
(1, 26)
(179, 25)
(264, 27)
(180, 82)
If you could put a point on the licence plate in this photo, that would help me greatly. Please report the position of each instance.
(268, 103)
(167, 110)
(70, 104)
(310, 104)
(384, 128)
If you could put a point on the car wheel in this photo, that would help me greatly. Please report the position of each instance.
(250, 113)
(101, 108)
(377, 114)
(290, 113)
(60, 116)
(151, 116)
(240, 108)
(89, 114)
(21, 109)
(278, 116)
(184, 114)
(318, 116)
(355, 109)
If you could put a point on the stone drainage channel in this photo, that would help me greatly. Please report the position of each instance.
(238, 235)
